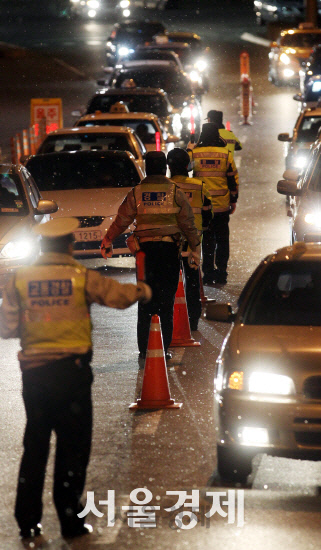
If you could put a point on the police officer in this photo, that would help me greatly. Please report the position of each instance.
(47, 306)
(162, 214)
(232, 142)
(214, 164)
(200, 200)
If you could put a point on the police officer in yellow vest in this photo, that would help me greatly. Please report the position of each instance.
(232, 142)
(47, 306)
(200, 200)
(162, 215)
(214, 164)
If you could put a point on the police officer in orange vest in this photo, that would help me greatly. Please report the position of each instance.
(47, 306)
(162, 215)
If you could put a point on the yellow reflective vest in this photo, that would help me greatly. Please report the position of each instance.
(216, 167)
(232, 143)
(196, 192)
(54, 312)
(156, 209)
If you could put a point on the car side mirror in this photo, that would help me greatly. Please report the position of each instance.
(46, 206)
(172, 139)
(274, 44)
(284, 137)
(287, 187)
(298, 97)
(220, 312)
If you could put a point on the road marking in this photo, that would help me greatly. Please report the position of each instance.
(148, 423)
(256, 39)
(69, 67)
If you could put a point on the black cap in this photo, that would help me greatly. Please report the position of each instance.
(178, 156)
(155, 163)
(215, 116)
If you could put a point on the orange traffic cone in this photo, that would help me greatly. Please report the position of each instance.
(204, 299)
(155, 392)
(181, 330)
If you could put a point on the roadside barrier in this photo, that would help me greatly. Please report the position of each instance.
(181, 331)
(27, 142)
(246, 96)
(155, 391)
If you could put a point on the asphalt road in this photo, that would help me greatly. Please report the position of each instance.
(166, 450)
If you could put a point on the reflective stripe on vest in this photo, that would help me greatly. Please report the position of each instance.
(211, 164)
(54, 312)
(193, 190)
(156, 206)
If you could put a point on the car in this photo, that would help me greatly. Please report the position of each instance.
(305, 192)
(283, 11)
(89, 185)
(176, 121)
(305, 132)
(127, 35)
(311, 97)
(200, 61)
(145, 54)
(115, 138)
(21, 207)
(267, 385)
(289, 51)
(175, 83)
(147, 126)
(88, 9)
(147, 100)
(311, 67)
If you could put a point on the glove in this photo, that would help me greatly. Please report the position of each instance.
(144, 292)
(194, 258)
(106, 248)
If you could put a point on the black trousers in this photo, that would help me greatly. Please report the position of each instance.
(216, 244)
(192, 291)
(162, 265)
(57, 397)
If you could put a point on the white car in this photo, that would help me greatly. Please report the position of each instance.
(90, 186)
(111, 138)
(147, 126)
(21, 207)
(312, 95)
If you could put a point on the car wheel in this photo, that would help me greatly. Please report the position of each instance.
(233, 465)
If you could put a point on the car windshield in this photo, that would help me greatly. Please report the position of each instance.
(94, 142)
(137, 34)
(308, 129)
(301, 40)
(145, 129)
(71, 171)
(12, 196)
(143, 103)
(172, 82)
(287, 294)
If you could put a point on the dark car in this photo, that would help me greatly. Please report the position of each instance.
(174, 82)
(127, 35)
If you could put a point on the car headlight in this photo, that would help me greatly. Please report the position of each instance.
(271, 8)
(187, 112)
(124, 50)
(18, 249)
(200, 65)
(285, 59)
(124, 4)
(265, 382)
(93, 4)
(313, 218)
(300, 162)
(288, 73)
(194, 76)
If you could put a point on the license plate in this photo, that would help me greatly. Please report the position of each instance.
(88, 235)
